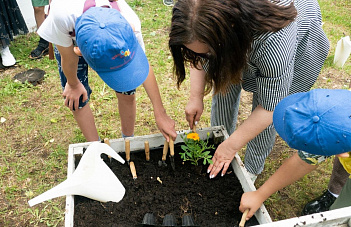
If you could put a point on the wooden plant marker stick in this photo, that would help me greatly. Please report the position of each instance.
(133, 170)
(243, 218)
(51, 52)
(127, 150)
(108, 143)
(147, 150)
(194, 128)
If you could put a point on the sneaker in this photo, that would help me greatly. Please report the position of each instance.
(168, 2)
(41, 50)
(320, 204)
(7, 58)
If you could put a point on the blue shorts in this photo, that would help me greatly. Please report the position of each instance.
(82, 74)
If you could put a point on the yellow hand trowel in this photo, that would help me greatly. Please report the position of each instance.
(92, 178)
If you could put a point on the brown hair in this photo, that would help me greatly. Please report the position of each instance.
(227, 27)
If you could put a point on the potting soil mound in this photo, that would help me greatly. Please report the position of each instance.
(162, 191)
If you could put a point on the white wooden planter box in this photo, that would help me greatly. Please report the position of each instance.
(339, 217)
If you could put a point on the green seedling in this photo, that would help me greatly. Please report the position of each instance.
(196, 149)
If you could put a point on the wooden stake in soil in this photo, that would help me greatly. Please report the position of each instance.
(243, 218)
(108, 143)
(127, 149)
(147, 150)
(133, 170)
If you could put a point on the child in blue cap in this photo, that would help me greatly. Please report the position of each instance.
(318, 123)
(107, 33)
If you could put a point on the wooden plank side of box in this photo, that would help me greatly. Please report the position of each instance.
(338, 218)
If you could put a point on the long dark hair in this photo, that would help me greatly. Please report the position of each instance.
(228, 28)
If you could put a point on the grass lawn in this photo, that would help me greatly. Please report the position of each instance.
(36, 129)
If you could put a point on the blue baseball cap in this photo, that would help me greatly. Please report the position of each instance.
(108, 44)
(318, 121)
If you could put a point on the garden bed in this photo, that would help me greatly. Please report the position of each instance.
(212, 202)
(160, 190)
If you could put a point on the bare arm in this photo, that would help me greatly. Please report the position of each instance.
(292, 170)
(165, 124)
(249, 129)
(74, 88)
(195, 106)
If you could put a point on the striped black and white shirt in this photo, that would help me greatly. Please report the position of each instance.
(287, 61)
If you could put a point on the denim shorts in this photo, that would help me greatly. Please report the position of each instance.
(82, 74)
(312, 159)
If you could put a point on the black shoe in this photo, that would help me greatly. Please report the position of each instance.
(41, 50)
(319, 204)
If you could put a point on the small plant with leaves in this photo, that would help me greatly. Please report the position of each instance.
(196, 149)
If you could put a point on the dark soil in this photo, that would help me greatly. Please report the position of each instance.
(210, 202)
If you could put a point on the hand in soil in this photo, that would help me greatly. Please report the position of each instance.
(221, 160)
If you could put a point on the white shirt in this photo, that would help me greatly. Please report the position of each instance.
(62, 18)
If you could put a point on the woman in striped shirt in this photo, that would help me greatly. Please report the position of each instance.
(269, 48)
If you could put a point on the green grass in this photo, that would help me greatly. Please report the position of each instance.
(38, 128)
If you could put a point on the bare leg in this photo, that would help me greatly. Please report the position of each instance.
(39, 14)
(85, 119)
(338, 178)
(127, 112)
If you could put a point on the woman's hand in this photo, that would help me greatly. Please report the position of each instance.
(221, 159)
(193, 111)
(72, 95)
(252, 201)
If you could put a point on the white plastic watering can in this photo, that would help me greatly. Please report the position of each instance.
(92, 178)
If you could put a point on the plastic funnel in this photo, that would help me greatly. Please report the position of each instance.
(92, 178)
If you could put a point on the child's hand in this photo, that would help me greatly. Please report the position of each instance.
(166, 125)
(77, 51)
(252, 201)
(72, 95)
(344, 155)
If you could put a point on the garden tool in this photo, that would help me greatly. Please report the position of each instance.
(171, 149)
(147, 150)
(127, 150)
(92, 178)
(133, 170)
(162, 162)
(243, 218)
(169, 220)
(108, 143)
